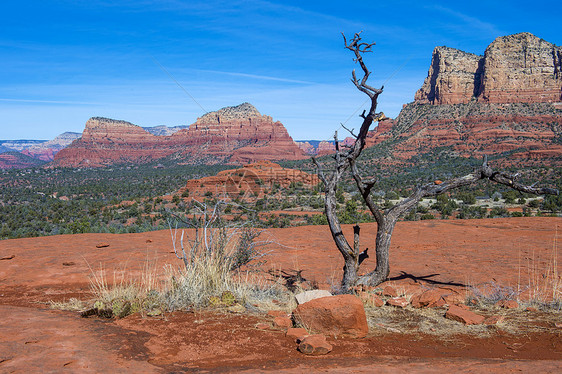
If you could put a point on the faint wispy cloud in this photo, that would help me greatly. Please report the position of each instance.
(256, 76)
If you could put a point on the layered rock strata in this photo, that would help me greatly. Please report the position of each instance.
(252, 180)
(519, 68)
(235, 134)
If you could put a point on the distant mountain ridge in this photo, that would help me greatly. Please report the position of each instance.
(238, 134)
(507, 101)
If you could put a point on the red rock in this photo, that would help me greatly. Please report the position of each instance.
(283, 322)
(251, 180)
(237, 134)
(263, 326)
(339, 316)
(315, 345)
(102, 245)
(430, 298)
(278, 313)
(398, 301)
(389, 291)
(464, 316)
(296, 333)
(508, 304)
(493, 320)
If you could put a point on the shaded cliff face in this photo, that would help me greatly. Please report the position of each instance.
(453, 77)
(518, 68)
(235, 134)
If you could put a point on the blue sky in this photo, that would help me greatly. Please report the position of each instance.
(62, 62)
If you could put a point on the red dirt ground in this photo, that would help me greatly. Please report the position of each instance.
(34, 338)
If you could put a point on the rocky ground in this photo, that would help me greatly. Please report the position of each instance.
(514, 253)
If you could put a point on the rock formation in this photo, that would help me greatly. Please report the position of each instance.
(452, 79)
(235, 134)
(519, 68)
(250, 181)
(505, 102)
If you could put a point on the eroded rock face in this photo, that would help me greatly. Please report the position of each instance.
(235, 134)
(452, 79)
(252, 180)
(519, 68)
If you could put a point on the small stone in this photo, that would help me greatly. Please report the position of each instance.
(69, 263)
(531, 309)
(398, 301)
(263, 326)
(306, 296)
(558, 325)
(389, 291)
(296, 333)
(430, 298)
(463, 316)
(283, 322)
(315, 345)
(493, 320)
(102, 245)
(278, 313)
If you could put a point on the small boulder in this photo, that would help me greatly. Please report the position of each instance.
(278, 313)
(389, 291)
(296, 333)
(398, 301)
(263, 326)
(339, 316)
(307, 296)
(282, 322)
(102, 245)
(315, 345)
(428, 299)
(463, 316)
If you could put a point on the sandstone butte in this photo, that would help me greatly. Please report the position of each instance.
(250, 180)
(237, 134)
(509, 100)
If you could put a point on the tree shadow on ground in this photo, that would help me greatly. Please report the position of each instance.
(425, 278)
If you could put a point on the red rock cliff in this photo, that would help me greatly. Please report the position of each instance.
(519, 68)
(235, 134)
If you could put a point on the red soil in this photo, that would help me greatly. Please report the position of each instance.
(451, 252)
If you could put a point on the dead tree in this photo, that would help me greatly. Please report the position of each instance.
(345, 160)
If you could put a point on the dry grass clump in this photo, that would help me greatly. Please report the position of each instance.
(210, 277)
